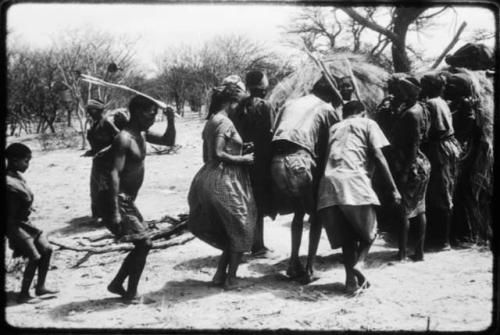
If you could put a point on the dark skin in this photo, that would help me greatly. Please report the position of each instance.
(258, 246)
(40, 249)
(410, 144)
(127, 175)
(354, 251)
(441, 215)
(295, 269)
(229, 261)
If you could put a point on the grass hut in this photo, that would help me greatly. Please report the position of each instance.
(372, 82)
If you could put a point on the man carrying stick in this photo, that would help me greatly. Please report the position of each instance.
(122, 217)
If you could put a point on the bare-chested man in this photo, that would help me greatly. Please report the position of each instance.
(127, 173)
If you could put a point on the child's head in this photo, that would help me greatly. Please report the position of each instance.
(18, 156)
(353, 108)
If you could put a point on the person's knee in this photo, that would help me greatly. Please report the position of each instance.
(144, 245)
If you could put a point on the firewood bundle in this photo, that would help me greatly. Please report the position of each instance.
(166, 232)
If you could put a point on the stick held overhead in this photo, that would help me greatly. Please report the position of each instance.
(97, 81)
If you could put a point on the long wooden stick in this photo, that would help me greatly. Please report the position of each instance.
(450, 46)
(326, 73)
(97, 81)
(354, 82)
(117, 247)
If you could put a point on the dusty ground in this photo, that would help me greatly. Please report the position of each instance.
(449, 291)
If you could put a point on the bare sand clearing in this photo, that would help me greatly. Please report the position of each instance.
(450, 290)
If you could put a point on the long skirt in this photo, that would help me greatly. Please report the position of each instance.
(222, 209)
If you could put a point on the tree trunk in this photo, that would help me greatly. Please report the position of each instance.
(403, 17)
(68, 110)
(40, 124)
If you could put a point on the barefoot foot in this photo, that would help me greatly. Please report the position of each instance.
(117, 289)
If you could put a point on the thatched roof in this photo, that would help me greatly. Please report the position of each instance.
(371, 79)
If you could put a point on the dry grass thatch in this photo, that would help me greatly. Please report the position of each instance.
(478, 185)
(372, 82)
(371, 79)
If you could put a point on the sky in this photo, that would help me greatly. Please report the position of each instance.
(158, 27)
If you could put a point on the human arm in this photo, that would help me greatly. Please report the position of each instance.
(119, 149)
(223, 156)
(376, 141)
(383, 167)
(410, 145)
(168, 138)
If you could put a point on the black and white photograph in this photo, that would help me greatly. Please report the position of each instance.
(249, 166)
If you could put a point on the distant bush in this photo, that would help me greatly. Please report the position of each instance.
(67, 138)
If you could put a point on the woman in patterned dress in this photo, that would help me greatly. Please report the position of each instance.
(223, 212)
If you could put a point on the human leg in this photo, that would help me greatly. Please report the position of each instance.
(314, 236)
(221, 273)
(45, 250)
(404, 226)
(258, 247)
(142, 248)
(34, 257)
(295, 268)
(421, 222)
(116, 285)
(234, 262)
(349, 259)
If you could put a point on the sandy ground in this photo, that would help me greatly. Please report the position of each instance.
(451, 290)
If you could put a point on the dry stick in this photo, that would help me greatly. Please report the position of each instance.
(354, 82)
(97, 81)
(160, 245)
(117, 247)
(325, 72)
(450, 46)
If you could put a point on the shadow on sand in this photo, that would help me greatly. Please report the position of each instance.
(94, 305)
(79, 225)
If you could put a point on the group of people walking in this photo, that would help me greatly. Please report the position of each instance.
(316, 155)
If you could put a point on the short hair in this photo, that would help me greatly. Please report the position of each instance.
(256, 80)
(323, 87)
(352, 108)
(17, 151)
(432, 83)
(139, 103)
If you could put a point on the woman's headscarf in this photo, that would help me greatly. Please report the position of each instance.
(232, 90)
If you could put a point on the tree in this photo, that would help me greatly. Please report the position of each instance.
(91, 52)
(396, 32)
(187, 74)
(32, 77)
(352, 29)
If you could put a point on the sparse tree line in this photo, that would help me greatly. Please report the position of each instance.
(46, 95)
(44, 89)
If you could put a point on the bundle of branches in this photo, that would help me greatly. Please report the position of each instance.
(166, 232)
(371, 79)
(164, 150)
(478, 186)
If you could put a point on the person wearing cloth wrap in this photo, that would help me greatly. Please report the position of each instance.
(346, 199)
(100, 135)
(254, 120)
(299, 144)
(121, 216)
(443, 152)
(409, 166)
(25, 239)
(222, 209)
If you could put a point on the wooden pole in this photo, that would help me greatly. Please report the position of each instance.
(354, 82)
(450, 46)
(326, 73)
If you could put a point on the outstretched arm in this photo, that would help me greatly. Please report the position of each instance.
(168, 138)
